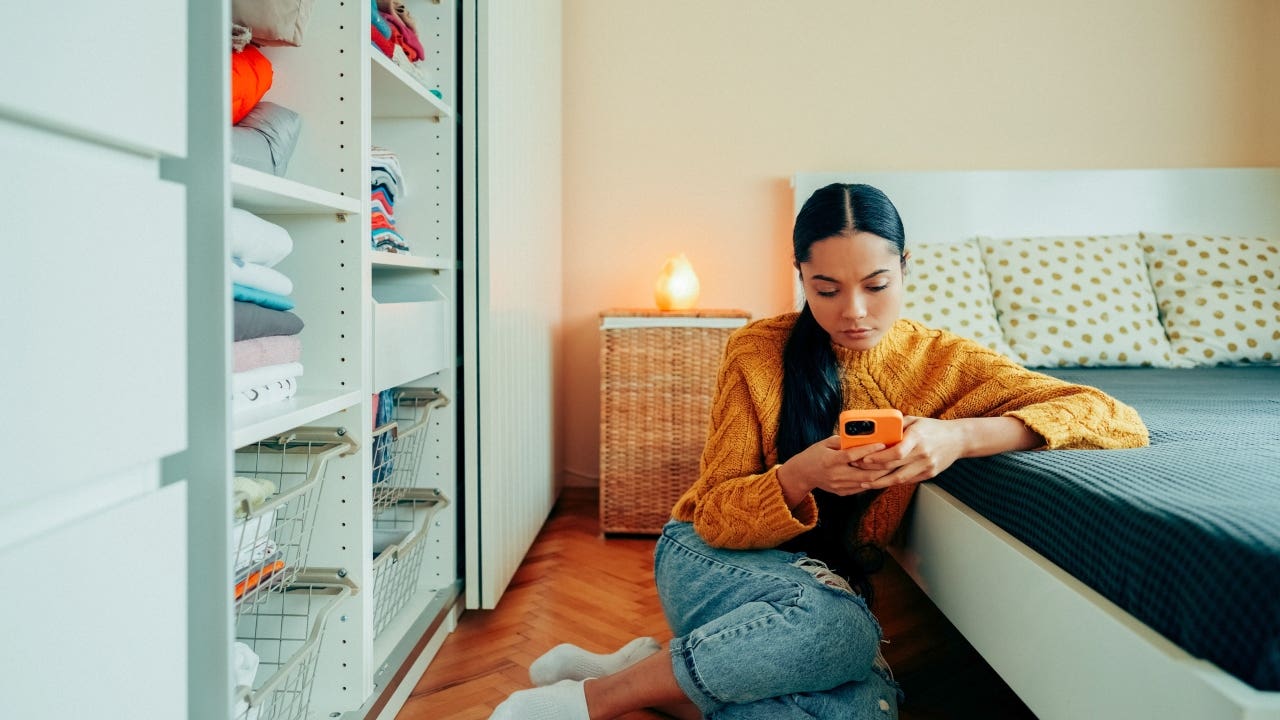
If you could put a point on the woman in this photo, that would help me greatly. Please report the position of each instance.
(763, 569)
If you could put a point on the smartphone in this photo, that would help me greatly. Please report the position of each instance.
(865, 427)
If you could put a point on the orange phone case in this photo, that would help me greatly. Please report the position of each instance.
(886, 427)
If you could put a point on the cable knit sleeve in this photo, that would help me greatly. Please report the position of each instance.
(737, 501)
(982, 383)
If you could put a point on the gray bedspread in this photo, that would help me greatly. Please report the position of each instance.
(1184, 534)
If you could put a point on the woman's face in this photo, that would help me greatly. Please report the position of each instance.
(854, 287)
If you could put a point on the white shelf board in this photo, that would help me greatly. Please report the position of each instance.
(410, 262)
(265, 194)
(397, 94)
(254, 424)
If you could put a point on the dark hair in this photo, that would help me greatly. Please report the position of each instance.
(811, 395)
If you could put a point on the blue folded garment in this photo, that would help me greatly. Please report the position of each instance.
(379, 22)
(261, 297)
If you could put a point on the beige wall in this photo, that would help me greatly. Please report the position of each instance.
(683, 120)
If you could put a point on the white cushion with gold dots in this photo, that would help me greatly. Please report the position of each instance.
(1076, 301)
(1219, 296)
(947, 288)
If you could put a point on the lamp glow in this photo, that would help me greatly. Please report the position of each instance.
(677, 286)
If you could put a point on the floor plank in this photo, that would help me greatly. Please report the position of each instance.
(577, 586)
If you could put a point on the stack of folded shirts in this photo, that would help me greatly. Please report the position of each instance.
(267, 350)
(386, 185)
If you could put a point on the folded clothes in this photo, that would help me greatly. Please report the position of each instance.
(258, 577)
(256, 377)
(263, 351)
(251, 76)
(261, 297)
(393, 184)
(250, 320)
(266, 138)
(379, 23)
(405, 37)
(251, 539)
(386, 45)
(257, 396)
(254, 493)
(244, 673)
(260, 277)
(379, 221)
(255, 240)
(384, 239)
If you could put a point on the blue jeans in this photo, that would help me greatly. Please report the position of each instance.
(759, 637)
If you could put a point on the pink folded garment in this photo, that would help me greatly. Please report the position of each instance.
(263, 351)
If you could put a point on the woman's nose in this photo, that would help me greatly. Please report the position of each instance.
(857, 307)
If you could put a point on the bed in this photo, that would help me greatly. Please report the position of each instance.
(1139, 583)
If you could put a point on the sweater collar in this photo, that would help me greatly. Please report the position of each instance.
(875, 355)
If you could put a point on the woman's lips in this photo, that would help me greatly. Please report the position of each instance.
(858, 332)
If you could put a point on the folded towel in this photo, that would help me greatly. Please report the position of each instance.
(250, 320)
(263, 351)
(261, 297)
(255, 240)
(259, 395)
(260, 277)
(257, 377)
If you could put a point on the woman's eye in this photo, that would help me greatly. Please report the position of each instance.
(827, 293)
(878, 288)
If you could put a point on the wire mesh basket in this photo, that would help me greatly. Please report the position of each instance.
(278, 645)
(277, 488)
(399, 436)
(399, 531)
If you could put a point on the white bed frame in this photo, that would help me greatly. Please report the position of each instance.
(1065, 650)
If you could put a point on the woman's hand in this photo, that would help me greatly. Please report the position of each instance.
(823, 465)
(928, 447)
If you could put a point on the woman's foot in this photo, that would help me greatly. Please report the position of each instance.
(570, 662)
(565, 700)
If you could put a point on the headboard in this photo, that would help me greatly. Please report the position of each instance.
(952, 206)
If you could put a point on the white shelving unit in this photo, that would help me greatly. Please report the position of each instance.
(373, 320)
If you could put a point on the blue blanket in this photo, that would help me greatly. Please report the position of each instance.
(1184, 534)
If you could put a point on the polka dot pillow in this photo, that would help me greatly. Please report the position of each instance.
(1219, 296)
(1068, 301)
(947, 288)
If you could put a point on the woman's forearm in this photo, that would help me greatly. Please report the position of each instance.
(991, 436)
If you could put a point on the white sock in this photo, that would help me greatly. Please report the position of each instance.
(565, 700)
(570, 662)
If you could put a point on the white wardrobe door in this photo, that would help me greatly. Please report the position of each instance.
(94, 319)
(95, 620)
(113, 71)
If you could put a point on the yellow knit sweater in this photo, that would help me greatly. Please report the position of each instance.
(737, 501)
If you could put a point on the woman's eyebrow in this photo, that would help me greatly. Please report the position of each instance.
(830, 279)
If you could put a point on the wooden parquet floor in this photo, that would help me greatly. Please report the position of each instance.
(577, 586)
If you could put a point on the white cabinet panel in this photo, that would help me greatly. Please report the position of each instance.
(97, 626)
(115, 71)
(94, 318)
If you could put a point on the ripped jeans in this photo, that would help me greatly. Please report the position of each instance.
(768, 635)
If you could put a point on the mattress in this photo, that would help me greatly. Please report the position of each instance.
(1183, 534)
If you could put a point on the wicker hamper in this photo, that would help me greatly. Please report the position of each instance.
(657, 379)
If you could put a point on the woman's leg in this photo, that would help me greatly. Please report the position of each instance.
(754, 625)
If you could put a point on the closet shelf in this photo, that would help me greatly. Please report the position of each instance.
(403, 261)
(397, 94)
(265, 194)
(306, 407)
